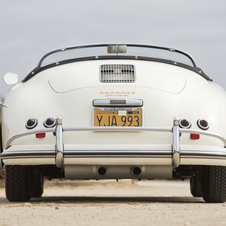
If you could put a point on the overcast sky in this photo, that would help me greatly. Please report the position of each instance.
(30, 29)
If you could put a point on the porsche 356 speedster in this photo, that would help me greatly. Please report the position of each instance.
(114, 111)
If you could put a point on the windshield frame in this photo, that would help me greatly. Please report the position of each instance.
(193, 68)
(173, 50)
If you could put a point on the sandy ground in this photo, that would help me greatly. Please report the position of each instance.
(111, 203)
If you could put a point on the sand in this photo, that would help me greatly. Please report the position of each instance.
(112, 203)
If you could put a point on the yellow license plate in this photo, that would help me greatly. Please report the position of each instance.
(118, 117)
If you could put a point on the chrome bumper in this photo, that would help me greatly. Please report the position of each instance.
(60, 154)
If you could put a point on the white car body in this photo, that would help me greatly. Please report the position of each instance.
(68, 88)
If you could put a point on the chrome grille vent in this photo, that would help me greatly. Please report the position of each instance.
(117, 73)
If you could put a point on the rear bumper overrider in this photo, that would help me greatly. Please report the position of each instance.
(60, 154)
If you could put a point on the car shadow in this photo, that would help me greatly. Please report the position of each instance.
(104, 200)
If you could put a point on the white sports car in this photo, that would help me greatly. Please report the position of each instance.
(114, 111)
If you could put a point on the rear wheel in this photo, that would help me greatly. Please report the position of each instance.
(196, 186)
(37, 185)
(214, 184)
(17, 183)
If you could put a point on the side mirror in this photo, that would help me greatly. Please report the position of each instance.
(11, 78)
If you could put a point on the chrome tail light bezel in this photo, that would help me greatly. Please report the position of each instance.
(184, 123)
(51, 125)
(201, 126)
(33, 125)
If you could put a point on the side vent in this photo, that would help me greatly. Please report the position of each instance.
(117, 73)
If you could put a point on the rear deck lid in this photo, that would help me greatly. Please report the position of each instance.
(151, 75)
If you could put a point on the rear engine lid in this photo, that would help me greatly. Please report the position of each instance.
(143, 74)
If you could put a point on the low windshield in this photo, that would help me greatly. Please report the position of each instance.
(135, 51)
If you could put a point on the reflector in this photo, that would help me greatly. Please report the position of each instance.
(40, 135)
(194, 136)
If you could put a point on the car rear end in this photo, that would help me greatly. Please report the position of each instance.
(113, 118)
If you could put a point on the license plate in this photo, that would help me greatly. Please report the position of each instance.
(118, 117)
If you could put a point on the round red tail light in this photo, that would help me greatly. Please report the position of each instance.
(31, 123)
(203, 124)
(49, 122)
(184, 123)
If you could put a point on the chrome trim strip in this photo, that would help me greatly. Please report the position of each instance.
(176, 143)
(117, 102)
(117, 154)
(28, 154)
(112, 154)
(59, 143)
(88, 154)
(197, 154)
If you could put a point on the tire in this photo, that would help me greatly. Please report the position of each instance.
(214, 184)
(196, 186)
(17, 183)
(37, 185)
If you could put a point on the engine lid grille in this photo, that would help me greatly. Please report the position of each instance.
(117, 73)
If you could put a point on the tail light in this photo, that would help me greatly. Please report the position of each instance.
(31, 123)
(184, 123)
(49, 122)
(203, 124)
